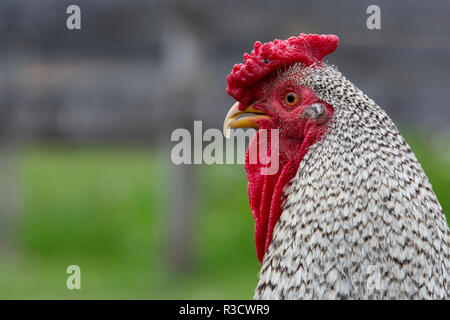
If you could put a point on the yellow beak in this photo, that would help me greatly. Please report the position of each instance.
(250, 121)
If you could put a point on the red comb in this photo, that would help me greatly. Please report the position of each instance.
(267, 57)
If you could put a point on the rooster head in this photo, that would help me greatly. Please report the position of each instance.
(269, 96)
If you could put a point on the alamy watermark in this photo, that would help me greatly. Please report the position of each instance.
(373, 21)
(373, 278)
(216, 151)
(74, 280)
(73, 21)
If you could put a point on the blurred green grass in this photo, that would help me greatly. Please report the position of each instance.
(104, 209)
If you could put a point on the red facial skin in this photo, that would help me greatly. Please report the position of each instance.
(296, 135)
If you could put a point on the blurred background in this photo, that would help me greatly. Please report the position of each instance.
(86, 117)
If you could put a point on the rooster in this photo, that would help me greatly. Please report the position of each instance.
(350, 213)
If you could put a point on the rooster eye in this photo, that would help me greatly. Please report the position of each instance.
(291, 98)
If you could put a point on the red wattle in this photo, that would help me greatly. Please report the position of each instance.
(266, 191)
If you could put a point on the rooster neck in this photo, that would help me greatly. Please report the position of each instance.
(360, 207)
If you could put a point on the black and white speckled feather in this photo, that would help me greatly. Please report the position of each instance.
(360, 220)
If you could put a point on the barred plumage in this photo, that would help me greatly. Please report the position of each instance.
(360, 220)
